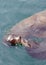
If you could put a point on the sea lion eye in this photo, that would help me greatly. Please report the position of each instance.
(19, 39)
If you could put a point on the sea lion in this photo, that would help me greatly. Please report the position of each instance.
(29, 28)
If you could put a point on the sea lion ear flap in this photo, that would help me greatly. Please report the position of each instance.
(36, 42)
(33, 44)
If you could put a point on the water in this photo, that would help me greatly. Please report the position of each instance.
(11, 12)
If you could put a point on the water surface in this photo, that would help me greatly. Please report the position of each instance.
(11, 12)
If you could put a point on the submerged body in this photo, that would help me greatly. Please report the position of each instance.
(34, 26)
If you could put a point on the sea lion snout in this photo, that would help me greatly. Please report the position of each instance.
(12, 39)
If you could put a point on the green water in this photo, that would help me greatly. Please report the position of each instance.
(11, 12)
